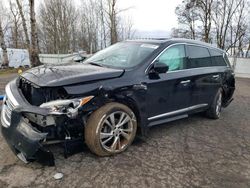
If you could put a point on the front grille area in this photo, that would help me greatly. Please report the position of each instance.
(7, 109)
(9, 103)
(25, 88)
(36, 95)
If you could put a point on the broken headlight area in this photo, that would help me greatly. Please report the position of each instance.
(30, 127)
(69, 107)
(63, 121)
(62, 125)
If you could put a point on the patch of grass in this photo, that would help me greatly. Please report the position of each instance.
(12, 70)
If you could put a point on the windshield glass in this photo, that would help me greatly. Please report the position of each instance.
(122, 55)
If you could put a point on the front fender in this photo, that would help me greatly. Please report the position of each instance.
(132, 96)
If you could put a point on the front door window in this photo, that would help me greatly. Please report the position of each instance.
(174, 57)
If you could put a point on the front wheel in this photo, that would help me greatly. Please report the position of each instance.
(110, 129)
(214, 110)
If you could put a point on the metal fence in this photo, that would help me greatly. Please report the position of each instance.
(242, 68)
(56, 58)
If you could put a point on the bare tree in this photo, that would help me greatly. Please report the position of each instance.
(5, 62)
(103, 26)
(34, 58)
(193, 12)
(247, 42)
(15, 26)
(187, 15)
(25, 29)
(180, 33)
(63, 27)
(3, 46)
(225, 17)
(125, 28)
(239, 30)
(112, 15)
(205, 14)
(224, 10)
(93, 26)
(58, 23)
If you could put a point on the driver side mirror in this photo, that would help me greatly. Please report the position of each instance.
(78, 59)
(160, 67)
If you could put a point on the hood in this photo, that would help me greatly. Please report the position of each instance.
(52, 76)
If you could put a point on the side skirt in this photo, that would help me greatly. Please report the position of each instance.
(180, 111)
(157, 122)
(175, 115)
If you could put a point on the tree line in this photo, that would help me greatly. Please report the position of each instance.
(31, 41)
(222, 22)
(62, 26)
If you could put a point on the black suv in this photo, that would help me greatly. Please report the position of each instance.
(121, 90)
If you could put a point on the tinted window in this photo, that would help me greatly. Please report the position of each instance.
(198, 57)
(217, 58)
(174, 57)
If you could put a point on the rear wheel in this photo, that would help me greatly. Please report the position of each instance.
(110, 129)
(215, 109)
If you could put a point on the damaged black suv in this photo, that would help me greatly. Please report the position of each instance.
(118, 92)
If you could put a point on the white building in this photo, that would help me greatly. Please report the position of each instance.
(17, 57)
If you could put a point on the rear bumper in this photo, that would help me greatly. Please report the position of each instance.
(23, 138)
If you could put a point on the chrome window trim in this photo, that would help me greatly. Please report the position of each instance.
(195, 69)
(178, 111)
(186, 44)
(171, 45)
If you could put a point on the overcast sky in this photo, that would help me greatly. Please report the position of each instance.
(152, 14)
(147, 15)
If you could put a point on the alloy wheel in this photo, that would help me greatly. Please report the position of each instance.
(218, 104)
(116, 131)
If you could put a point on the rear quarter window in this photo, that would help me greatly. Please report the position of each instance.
(217, 58)
(226, 60)
(198, 57)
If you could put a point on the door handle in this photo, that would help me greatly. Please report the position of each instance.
(216, 76)
(185, 82)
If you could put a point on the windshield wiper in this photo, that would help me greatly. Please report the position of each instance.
(95, 64)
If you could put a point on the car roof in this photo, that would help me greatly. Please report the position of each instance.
(160, 41)
(149, 41)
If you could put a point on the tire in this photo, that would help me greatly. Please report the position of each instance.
(110, 129)
(214, 110)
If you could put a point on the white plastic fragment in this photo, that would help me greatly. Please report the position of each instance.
(58, 176)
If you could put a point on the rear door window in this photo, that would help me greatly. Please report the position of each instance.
(217, 58)
(198, 57)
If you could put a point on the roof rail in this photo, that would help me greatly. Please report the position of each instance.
(150, 38)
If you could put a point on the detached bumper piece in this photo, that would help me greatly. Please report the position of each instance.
(25, 141)
(228, 102)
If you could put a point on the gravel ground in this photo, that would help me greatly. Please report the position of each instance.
(193, 152)
(4, 79)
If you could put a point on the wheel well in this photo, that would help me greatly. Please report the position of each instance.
(223, 93)
(131, 104)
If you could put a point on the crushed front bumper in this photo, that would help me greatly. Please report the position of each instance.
(22, 138)
(20, 135)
